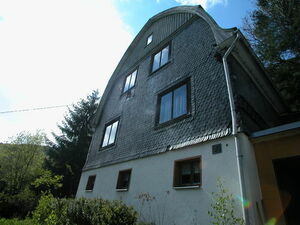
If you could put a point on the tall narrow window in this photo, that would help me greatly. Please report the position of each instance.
(161, 58)
(173, 104)
(130, 81)
(90, 183)
(110, 134)
(187, 172)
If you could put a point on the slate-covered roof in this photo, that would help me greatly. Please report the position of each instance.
(193, 35)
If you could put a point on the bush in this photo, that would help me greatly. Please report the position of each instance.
(83, 212)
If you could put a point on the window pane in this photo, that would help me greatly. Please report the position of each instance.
(156, 62)
(196, 171)
(132, 81)
(165, 108)
(113, 132)
(179, 104)
(106, 136)
(164, 56)
(149, 40)
(186, 169)
(126, 86)
(90, 183)
(186, 173)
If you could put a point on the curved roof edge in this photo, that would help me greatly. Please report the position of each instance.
(220, 34)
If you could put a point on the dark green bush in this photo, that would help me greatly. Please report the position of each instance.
(83, 212)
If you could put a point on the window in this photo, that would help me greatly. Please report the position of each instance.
(161, 58)
(123, 180)
(110, 133)
(130, 81)
(149, 39)
(187, 172)
(173, 104)
(90, 183)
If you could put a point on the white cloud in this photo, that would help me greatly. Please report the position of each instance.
(54, 52)
(204, 3)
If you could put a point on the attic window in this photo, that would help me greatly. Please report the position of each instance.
(187, 172)
(90, 183)
(129, 81)
(123, 180)
(149, 39)
(110, 133)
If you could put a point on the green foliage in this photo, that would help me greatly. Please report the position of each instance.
(49, 211)
(67, 154)
(47, 182)
(21, 162)
(223, 210)
(22, 176)
(82, 212)
(273, 29)
(16, 222)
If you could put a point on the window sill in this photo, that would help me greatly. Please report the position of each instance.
(160, 68)
(88, 190)
(122, 190)
(172, 121)
(106, 147)
(187, 187)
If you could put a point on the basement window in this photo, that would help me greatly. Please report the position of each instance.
(123, 180)
(90, 183)
(187, 172)
(110, 133)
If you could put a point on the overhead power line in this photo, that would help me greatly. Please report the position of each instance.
(32, 109)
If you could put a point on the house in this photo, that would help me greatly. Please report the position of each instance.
(178, 113)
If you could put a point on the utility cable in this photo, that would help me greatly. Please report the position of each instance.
(34, 109)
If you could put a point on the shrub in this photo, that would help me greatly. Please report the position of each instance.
(83, 212)
(223, 208)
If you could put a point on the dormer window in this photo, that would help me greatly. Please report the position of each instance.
(129, 81)
(161, 58)
(149, 39)
(110, 133)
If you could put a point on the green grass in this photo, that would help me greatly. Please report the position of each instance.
(16, 221)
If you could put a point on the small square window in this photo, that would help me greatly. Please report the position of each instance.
(173, 104)
(161, 58)
(129, 81)
(187, 172)
(149, 39)
(90, 183)
(124, 179)
(110, 133)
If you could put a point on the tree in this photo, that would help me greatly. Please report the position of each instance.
(67, 154)
(21, 174)
(21, 161)
(273, 30)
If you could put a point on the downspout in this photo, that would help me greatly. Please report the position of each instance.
(234, 127)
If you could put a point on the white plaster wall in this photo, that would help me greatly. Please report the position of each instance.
(251, 181)
(154, 175)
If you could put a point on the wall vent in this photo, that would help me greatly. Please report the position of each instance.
(216, 149)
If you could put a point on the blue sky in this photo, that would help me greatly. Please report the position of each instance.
(227, 13)
(54, 52)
